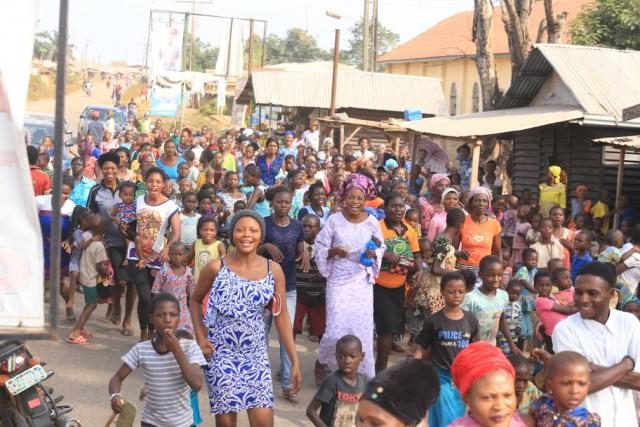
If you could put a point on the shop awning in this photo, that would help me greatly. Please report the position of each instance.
(627, 142)
(494, 122)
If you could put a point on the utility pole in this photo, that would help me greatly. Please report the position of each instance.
(374, 37)
(365, 37)
(334, 76)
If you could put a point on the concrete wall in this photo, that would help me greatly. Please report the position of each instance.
(461, 71)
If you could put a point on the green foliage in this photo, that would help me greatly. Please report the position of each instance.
(203, 56)
(608, 23)
(297, 46)
(256, 54)
(45, 46)
(386, 38)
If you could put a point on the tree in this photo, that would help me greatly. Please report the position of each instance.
(45, 46)
(608, 23)
(386, 40)
(515, 17)
(485, 61)
(256, 54)
(200, 55)
(297, 46)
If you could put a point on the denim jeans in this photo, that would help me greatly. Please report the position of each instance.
(285, 363)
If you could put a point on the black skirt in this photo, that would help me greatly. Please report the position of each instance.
(387, 309)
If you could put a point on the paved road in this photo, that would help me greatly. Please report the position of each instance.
(74, 104)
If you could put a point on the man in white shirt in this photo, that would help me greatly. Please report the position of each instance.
(364, 154)
(610, 340)
(311, 137)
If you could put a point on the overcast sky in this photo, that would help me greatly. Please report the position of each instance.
(117, 29)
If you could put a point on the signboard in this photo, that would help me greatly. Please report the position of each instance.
(166, 47)
(165, 100)
(21, 253)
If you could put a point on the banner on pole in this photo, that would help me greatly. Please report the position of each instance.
(165, 101)
(21, 253)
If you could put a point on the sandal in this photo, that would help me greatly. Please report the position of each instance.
(286, 393)
(127, 332)
(85, 333)
(80, 340)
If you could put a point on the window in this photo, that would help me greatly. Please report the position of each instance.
(475, 98)
(453, 100)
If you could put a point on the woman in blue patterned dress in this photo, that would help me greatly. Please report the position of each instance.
(232, 333)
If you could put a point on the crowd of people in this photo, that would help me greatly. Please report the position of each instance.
(515, 310)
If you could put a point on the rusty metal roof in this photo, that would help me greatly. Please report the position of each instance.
(356, 89)
(629, 142)
(602, 81)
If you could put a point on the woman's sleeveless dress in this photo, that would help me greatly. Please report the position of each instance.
(238, 373)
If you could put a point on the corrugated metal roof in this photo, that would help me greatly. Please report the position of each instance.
(603, 81)
(632, 142)
(494, 122)
(308, 66)
(356, 89)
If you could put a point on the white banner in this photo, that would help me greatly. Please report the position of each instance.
(166, 47)
(21, 259)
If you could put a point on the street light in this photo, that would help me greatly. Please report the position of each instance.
(336, 57)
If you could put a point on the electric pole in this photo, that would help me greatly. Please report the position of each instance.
(365, 37)
(374, 37)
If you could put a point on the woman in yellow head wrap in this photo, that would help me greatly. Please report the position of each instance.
(553, 192)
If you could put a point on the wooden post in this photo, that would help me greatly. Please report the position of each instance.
(475, 162)
(414, 151)
(616, 217)
(250, 60)
(341, 138)
(396, 145)
(334, 79)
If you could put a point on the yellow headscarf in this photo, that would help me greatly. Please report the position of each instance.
(555, 172)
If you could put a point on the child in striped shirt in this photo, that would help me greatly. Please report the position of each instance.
(172, 368)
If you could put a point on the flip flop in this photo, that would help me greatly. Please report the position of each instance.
(85, 333)
(80, 340)
(127, 416)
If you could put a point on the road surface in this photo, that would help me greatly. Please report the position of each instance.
(75, 103)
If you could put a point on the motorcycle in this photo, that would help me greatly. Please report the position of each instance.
(24, 400)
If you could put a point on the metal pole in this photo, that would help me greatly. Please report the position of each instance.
(264, 43)
(374, 37)
(56, 231)
(334, 80)
(229, 48)
(616, 217)
(365, 37)
(146, 56)
(250, 60)
(182, 84)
